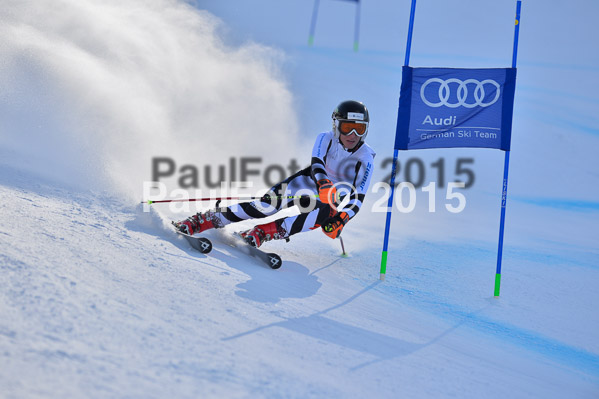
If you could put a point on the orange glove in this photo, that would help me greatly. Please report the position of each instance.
(333, 225)
(326, 191)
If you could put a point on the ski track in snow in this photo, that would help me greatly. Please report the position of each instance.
(101, 299)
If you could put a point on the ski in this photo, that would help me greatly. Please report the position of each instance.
(204, 245)
(201, 244)
(272, 260)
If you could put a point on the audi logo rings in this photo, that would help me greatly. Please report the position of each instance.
(462, 93)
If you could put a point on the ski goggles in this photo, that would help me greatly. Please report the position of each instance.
(348, 127)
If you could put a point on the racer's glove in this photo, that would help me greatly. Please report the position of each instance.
(326, 191)
(333, 225)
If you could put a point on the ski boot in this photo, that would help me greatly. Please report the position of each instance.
(200, 222)
(264, 232)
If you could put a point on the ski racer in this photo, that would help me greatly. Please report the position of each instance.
(340, 159)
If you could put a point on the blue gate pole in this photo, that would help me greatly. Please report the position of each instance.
(357, 26)
(388, 221)
(395, 156)
(313, 22)
(506, 166)
(410, 30)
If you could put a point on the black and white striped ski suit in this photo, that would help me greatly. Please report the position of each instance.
(350, 172)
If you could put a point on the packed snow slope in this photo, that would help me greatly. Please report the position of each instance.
(100, 298)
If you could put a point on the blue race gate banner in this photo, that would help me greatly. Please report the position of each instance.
(455, 107)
